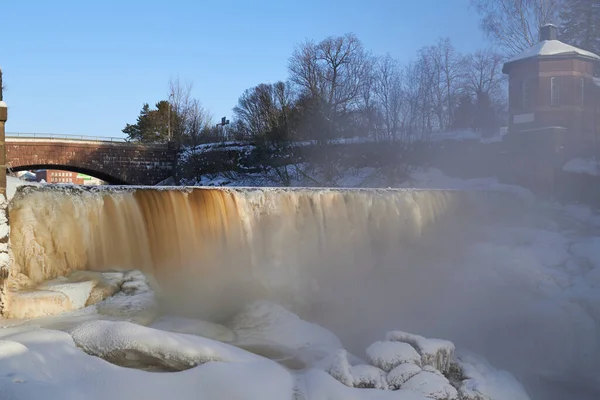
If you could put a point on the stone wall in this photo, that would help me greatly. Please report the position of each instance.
(117, 163)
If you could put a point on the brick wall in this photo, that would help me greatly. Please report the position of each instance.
(120, 163)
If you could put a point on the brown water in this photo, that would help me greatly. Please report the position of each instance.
(202, 243)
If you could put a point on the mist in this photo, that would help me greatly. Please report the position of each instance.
(359, 262)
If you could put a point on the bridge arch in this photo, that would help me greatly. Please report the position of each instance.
(114, 162)
(111, 180)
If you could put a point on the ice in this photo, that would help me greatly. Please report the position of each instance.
(401, 374)
(136, 302)
(388, 355)
(77, 292)
(36, 303)
(316, 384)
(196, 327)
(13, 183)
(437, 353)
(431, 385)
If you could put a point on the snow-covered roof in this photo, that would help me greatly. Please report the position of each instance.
(547, 48)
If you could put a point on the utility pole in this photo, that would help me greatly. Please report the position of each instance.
(169, 118)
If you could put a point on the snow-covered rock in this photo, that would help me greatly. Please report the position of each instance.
(431, 385)
(437, 353)
(401, 374)
(338, 366)
(388, 355)
(369, 377)
(132, 345)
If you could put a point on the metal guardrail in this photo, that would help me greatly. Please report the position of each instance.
(55, 136)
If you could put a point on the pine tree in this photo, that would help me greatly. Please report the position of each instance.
(580, 24)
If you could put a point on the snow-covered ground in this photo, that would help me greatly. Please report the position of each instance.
(263, 352)
(587, 166)
(536, 319)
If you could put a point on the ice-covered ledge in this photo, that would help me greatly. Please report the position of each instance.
(4, 227)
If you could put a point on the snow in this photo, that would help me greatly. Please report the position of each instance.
(369, 377)
(551, 48)
(13, 183)
(196, 327)
(125, 342)
(485, 382)
(401, 374)
(3, 104)
(431, 385)
(388, 355)
(587, 166)
(536, 280)
(266, 322)
(77, 292)
(437, 353)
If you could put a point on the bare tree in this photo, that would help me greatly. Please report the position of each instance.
(180, 99)
(484, 74)
(1, 86)
(388, 90)
(197, 123)
(332, 71)
(264, 112)
(514, 24)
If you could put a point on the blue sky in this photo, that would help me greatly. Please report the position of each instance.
(87, 66)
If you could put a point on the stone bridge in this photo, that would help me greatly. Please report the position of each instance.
(112, 160)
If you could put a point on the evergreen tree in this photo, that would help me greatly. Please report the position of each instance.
(152, 126)
(580, 24)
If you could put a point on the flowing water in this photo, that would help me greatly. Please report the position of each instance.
(359, 262)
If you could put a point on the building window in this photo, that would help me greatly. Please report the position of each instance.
(555, 91)
(582, 84)
(526, 94)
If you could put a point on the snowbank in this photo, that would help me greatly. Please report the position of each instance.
(131, 345)
(588, 166)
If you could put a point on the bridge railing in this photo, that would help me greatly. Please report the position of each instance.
(56, 136)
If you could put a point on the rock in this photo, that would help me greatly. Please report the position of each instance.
(388, 355)
(401, 374)
(368, 377)
(431, 385)
(437, 353)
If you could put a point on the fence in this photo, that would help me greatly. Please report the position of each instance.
(56, 136)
